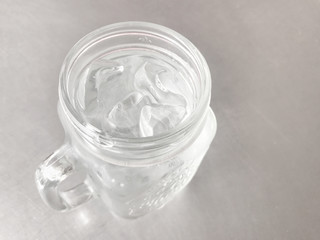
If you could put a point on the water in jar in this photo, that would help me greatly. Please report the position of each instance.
(135, 94)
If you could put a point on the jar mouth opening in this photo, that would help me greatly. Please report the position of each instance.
(94, 134)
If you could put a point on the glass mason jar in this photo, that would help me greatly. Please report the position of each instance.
(132, 176)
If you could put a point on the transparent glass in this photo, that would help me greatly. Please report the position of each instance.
(132, 176)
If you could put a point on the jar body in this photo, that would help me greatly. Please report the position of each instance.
(132, 191)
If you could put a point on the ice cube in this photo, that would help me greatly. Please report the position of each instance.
(157, 119)
(123, 119)
(178, 83)
(100, 72)
(102, 88)
(147, 80)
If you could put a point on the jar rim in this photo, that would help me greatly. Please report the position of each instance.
(94, 134)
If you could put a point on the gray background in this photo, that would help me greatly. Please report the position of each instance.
(260, 178)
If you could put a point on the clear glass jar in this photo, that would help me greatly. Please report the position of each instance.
(131, 175)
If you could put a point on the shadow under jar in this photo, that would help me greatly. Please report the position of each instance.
(134, 169)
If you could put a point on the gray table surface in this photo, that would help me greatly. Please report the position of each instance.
(260, 178)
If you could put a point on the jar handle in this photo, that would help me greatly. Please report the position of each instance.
(58, 167)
